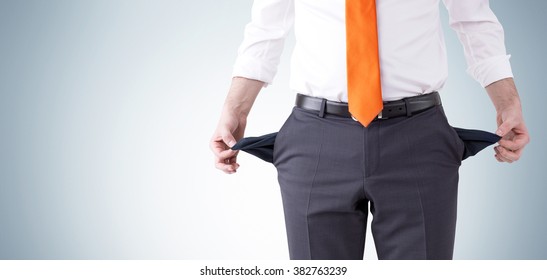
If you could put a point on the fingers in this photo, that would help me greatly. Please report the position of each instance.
(225, 158)
(506, 155)
(506, 127)
(510, 150)
(228, 168)
(221, 150)
(515, 138)
(226, 161)
(518, 142)
(229, 139)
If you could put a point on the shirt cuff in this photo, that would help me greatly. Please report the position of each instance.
(255, 69)
(491, 70)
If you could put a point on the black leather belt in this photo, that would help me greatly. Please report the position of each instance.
(392, 109)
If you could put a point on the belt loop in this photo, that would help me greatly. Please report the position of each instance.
(407, 107)
(323, 107)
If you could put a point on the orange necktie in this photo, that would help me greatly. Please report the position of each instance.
(363, 65)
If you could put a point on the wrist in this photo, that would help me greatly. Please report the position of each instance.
(234, 112)
(235, 109)
(503, 94)
(241, 96)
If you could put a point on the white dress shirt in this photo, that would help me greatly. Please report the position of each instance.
(412, 48)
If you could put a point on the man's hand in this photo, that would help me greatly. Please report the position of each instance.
(233, 120)
(229, 130)
(511, 126)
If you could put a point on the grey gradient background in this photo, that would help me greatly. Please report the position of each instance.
(106, 109)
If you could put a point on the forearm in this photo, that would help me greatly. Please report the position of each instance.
(503, 93)
(241, 96)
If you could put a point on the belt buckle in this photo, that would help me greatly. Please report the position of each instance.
(380, 116)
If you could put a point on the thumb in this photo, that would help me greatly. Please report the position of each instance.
(229, 139)
(504, 128)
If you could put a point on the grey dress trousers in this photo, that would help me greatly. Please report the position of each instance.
(330, 168)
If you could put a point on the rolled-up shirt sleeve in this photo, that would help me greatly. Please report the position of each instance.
(482, 37)
(259, 53)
